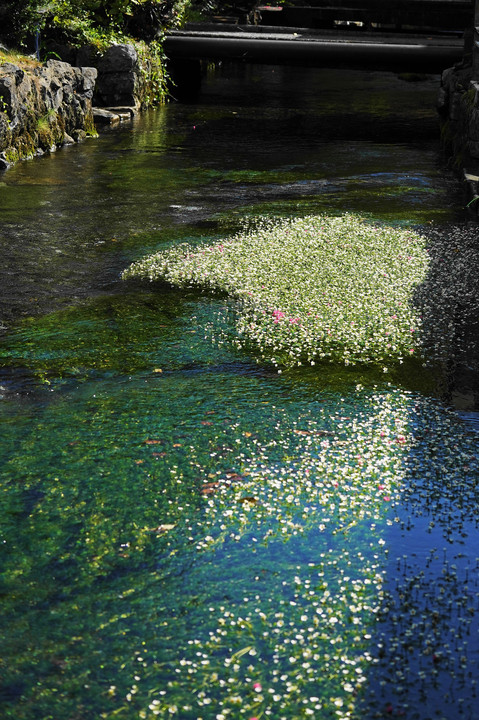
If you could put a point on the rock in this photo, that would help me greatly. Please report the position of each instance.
(473, 127)
(117, 89)
(86, 78)
(5, 130)
(100, 115)
(43, 108)
(119, 78)
(78, 135)
(473, 148)
(4, 164)
(442, 98)
(14, 91)
(125, 112)
(118, 59)
(51, 105)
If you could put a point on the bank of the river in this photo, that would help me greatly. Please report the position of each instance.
(43, 108)
(458, 106)
(46, 106)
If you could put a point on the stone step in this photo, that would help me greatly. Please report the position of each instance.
(113, 115)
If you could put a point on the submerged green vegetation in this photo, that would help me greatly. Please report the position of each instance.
(185, 533)
(319, 288)
(220, 544)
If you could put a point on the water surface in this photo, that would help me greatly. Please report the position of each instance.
(185, 532)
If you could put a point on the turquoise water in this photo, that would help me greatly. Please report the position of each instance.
(185, 532)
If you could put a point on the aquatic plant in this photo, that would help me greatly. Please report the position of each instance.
(200, 539)
(312, 289)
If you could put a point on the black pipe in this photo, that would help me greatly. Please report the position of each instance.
(383, 55)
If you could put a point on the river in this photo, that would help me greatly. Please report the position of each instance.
(187, 533)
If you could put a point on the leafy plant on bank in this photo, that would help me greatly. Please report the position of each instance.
(81, 22)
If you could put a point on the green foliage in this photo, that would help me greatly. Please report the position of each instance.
(97, 22)
(152, 63)
(19, 20)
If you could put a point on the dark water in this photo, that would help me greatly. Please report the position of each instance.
(186, 533)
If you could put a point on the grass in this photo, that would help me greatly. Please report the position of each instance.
(16, 58)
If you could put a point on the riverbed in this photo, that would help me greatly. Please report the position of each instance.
(186, 532)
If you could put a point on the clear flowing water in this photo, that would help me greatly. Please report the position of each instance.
(185, 532)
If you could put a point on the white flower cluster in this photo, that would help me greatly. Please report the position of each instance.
(311, 289)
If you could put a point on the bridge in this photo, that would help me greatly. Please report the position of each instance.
(398, 35)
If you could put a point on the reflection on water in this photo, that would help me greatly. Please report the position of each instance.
(265, 139)
(186, 533)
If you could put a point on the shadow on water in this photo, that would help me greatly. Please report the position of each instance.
(424, 647)
(425, 643)
(448, 302)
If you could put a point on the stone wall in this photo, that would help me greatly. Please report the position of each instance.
(43, 108)
(458, 106)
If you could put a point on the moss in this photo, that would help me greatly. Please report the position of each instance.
(89, 125)
(26, 145)
(26, 62)
(11, 155)
(49, 131)
(469, 97)
(446, 132)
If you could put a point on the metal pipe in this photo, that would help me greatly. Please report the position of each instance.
(383, 55)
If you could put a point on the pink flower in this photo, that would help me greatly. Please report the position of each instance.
(386, 498)
(257, 686)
